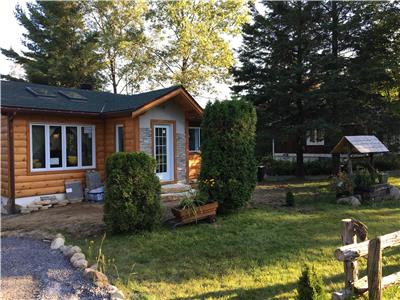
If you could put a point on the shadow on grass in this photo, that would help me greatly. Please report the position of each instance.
(241, 293)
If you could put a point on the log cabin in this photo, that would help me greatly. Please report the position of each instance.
(52, 134)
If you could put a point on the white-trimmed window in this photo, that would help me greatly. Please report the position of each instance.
(119, 138)
(62, 147)
(194, 139)
(315, 137)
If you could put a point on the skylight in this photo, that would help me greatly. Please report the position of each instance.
(72, 95)
(41, 92)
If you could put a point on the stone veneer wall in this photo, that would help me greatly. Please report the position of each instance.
(146, 145)
(145, 141)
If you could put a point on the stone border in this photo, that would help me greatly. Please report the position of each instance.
(78, 260)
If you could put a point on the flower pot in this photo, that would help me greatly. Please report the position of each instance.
(207, 211)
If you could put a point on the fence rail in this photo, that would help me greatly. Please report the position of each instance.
(374, 283)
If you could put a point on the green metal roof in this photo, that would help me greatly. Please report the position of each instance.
(16, 94)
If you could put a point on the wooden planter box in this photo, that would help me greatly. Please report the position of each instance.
(207, 211)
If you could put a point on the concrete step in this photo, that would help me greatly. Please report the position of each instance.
(175, 197)
(175, 188)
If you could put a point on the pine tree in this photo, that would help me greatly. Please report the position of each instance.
(277, 70)
(59, 50)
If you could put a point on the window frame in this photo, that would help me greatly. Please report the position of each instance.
(199, 130)
(63, 147)
(315, 141)
(117, 137)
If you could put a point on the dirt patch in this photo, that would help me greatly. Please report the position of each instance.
(78, 219)
(274, 193)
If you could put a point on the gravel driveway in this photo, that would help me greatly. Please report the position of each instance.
(30, 270)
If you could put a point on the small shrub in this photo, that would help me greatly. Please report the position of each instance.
(343, 184)
(310, 285)
(132, 198)
(289, 199)
(228, 167)
(363, 179)
(287, 167)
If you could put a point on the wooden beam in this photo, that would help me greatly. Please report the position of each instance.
(361, 285)
(350, 267)
(374, 268)
(355, 251)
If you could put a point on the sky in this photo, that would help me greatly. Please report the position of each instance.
(11, 36)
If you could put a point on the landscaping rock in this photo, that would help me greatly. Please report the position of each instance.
(394, 193)
(117, 295)
(351, 200)
(80, 263)
(97, 277)
(57, 243)
(25, 210)
(61, 203)
(65, 250)
(77, 256)
(71, 251)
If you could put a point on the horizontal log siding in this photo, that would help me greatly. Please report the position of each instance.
(5, 186)
(194, 165)
(130, 134)
(29, 183)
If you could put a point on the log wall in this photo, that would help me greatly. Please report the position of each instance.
(194, 165)
(5, 186)
(29, 183)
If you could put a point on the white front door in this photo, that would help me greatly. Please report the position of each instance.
(164, 152)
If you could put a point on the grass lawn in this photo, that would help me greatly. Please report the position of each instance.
(257, 253)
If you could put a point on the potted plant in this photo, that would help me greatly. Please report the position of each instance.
(193, 209)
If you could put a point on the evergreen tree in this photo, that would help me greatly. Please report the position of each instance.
(59, 50)
(349, 64)
(278, 69)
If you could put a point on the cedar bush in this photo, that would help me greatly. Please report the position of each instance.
(310, 285)
(228, 168)
(132, 198)
(290, 199)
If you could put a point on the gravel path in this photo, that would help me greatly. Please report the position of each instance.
(31, 270)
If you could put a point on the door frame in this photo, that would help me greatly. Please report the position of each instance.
(171, 123)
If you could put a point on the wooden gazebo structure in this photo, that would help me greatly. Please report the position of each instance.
(359, 144)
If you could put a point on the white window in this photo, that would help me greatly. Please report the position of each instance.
(315, 137)
(194, 139)
(62, 147)
(119, 138)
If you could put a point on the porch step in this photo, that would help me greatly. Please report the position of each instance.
(175, 197)
(175, 188)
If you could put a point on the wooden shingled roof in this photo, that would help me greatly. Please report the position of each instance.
(361, 144)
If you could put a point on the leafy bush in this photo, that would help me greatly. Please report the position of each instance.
(228, 167)
(386, 162)
(343, 184)
(363, 179)
(289, 199)
(310, 285)
(288, 167)
(132, 199)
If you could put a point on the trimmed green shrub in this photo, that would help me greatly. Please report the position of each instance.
(288, 167)
(310, 285)
(385, 162)
(132, 198)
(228, 167)
(289, 199)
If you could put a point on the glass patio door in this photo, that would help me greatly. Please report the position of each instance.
(163, 152)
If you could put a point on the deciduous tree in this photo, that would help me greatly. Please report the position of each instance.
(193, 47)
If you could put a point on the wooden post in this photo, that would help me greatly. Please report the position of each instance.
(350, 267)
(374, 268)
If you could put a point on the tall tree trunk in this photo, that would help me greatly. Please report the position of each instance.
(335, 46)
(300, 157)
